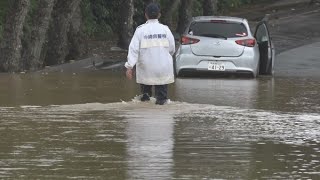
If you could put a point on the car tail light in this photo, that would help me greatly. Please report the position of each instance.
(218, 21)
(187, 40)
(247, 42)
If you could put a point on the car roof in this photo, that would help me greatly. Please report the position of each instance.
(227, 18)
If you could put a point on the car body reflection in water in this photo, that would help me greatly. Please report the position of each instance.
(238, 92)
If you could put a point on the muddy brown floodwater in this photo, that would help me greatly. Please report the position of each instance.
(91, 126)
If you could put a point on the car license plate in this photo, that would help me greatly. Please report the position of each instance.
(213, 66)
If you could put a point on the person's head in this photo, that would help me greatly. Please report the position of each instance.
(152, 11)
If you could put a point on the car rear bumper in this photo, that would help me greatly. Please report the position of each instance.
(206, 73)
(247, 63)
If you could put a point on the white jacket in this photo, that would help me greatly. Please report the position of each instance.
(151, 50)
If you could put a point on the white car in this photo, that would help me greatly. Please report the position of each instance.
(223, 45)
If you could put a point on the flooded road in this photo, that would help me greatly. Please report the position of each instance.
(91, 126)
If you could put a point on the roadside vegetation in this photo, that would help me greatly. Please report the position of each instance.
(39, 33)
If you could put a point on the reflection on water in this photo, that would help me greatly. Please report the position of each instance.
(216, 141)
(150, 143)
(64, 88)
(240, 92)
(286, 94)
(87, 127)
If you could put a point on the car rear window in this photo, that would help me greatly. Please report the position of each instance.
(218, 28)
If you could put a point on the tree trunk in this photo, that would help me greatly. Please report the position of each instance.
(147, 2)
(40, 26)
(209, 7)
(57, 49)
(10, 47)
(76, 37)
(168, 12)
(185, 15)
(126, 31)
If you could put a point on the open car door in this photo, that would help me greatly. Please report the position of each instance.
(266, 48)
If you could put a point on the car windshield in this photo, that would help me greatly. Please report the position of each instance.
(218, 29)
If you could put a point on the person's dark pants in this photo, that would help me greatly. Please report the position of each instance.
(161, 91)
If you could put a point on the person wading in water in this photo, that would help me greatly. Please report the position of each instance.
(151, 50)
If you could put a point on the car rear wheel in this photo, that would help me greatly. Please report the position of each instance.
(174, 69)
(257, 71)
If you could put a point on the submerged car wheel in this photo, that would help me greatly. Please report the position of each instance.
(174, 69)
(256, 74)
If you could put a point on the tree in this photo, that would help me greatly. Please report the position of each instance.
(185, 14)
(146, 2)
(126, 26)
(40, 25)
(209, 7)
(58, 42)
(77, 40)
(168, 11)
(10, 47)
